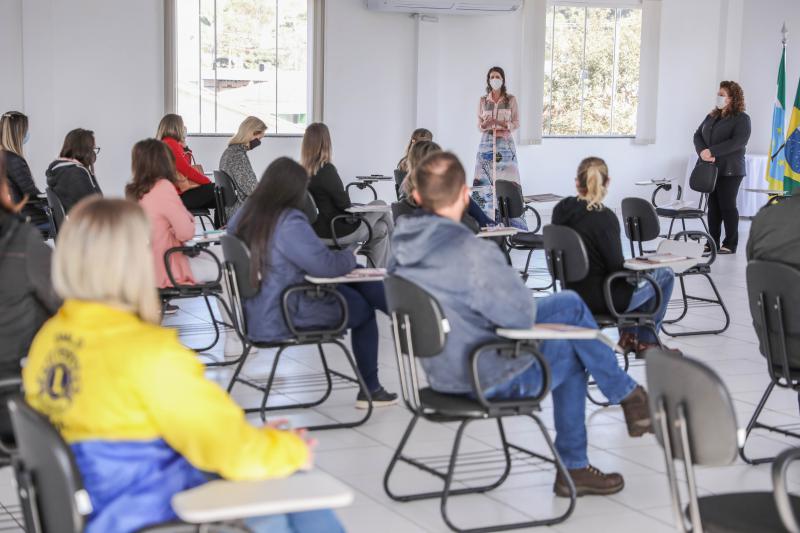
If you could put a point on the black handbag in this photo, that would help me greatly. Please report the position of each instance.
(703, 177)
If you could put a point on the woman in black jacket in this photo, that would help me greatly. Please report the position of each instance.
(13, 134)
(71, 176)
(600, 232)
(332, 200)
(722, 139)
(27, 297)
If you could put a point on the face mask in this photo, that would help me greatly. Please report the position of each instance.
(722, 102)
(255, 143)
(496, 83)
(27, 136)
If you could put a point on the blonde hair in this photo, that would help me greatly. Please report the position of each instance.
(418, 152)
(13, 127)
(316, 149)
(103, 256)
(419, 134)
(592, 182)
(171, 126)
(249, 127)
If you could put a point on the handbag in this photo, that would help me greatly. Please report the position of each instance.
(703, 177)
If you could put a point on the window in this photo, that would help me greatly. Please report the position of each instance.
(591, 73)
(236, 58)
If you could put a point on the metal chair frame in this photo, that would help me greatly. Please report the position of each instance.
(226, 196)
(557, 264)
(484, 409)
(56, 214)
(299, 337)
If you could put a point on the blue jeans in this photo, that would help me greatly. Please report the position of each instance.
(477, 213)
(570, 363)
(363, 299)
(308, 522)
(643, 300)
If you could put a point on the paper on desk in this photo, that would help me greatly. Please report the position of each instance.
(557, 331)
(356, 276)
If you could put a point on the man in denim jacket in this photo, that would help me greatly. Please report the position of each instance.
(479, 292)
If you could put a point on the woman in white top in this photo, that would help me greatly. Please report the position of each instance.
(498, 117)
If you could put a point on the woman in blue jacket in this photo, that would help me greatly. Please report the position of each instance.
(284, 248)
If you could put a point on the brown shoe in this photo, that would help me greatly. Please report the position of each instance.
(642, 348)
(589, 481)
(637, 412)
(627, 343)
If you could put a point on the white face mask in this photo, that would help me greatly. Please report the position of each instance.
(496, 83)
(722, 102)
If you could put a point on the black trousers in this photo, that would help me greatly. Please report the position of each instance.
(722, 210)
(201, 197)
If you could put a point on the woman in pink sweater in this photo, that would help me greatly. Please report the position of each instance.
(171, 224)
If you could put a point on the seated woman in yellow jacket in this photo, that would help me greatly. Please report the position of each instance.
(142, 420)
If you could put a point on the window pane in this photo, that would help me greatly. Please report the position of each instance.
(292, 66)
(188, 68)
(229, 54)
(567, 69)
(599, 68)
(246, 62)
(548, 72)
(627, 92)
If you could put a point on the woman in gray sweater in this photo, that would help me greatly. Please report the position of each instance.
(236, 164)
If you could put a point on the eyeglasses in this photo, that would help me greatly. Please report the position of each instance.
(96, 150)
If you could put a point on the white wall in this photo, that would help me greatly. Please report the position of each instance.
(761, 50)
(99, 64)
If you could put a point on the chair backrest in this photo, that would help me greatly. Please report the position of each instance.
(418, 318)
(401, 208)
(50, 486)
(640, 221)
(399, 176)
(681, 387)
(703, 177)
(310, 208)
(774, 290)
(59, 215)
(510, 201)
(566, 254)
(227, 186)
(237, 255)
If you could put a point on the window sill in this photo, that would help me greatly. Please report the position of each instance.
(229, 135)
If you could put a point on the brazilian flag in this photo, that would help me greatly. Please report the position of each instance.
(791, 178)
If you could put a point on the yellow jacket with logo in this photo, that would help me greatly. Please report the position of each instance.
(139, 414)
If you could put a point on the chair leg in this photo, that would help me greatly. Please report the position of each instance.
(239, 366)
(755, 424)
(270, 379)
(221, 301)
(717, 300)
(669, 232)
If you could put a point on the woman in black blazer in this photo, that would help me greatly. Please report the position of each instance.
(722, 139)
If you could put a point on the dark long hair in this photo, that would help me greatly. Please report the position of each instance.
(503, 91)
(283, 186)
(151, 160)
(736, 95)
(79, 145)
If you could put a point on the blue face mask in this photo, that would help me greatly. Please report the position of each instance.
(27, 137)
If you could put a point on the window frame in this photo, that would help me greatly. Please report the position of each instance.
(314, 66)
(587, 4)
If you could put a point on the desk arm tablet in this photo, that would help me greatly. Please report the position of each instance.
(220, 500)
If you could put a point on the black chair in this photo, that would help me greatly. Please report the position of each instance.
(57, 213)
(702, 180)
(642, 225)
(511, 204)
(207, 291)
(51, 490)
(568, 262)
(773, 290)
(399, 176)
(695, 422)
(240, 279)
(340, 242)
(203, 214)
(227, 194)
(420, 331)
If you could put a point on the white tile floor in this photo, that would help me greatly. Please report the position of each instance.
(359, 456)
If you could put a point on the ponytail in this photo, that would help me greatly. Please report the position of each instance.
(592, 182)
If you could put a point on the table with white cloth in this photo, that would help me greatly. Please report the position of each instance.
(748, 202)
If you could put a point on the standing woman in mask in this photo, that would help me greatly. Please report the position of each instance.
(234, 160)
(722, 139)
(498, 118)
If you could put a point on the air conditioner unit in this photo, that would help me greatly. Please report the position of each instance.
(446, 7)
